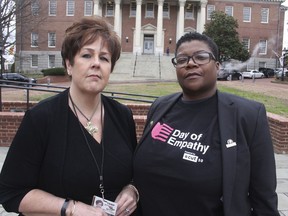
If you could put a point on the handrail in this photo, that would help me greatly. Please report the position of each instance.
(159, 66)
(57, 89)
(134, 69)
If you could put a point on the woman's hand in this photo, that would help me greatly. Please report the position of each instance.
(127, 201)
(81, 209)
(40, 203)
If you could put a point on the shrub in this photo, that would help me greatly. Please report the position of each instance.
(54, 72)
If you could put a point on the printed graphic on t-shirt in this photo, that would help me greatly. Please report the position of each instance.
(188, 141)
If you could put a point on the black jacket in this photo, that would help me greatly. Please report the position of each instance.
(37, 155)
(249, 173)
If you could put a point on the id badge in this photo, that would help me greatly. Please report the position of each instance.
(108, 206)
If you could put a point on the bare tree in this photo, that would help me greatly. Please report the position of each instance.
(14, 14)
(7, 23)
(18, 18)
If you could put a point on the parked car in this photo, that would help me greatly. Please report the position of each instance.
(17, 78)
(280, 72)
(224, 74)
(268, 72)
(252, 73)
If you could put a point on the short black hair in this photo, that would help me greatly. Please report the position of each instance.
(200, 37)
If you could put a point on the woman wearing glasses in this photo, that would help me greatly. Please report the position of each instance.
(207, 152)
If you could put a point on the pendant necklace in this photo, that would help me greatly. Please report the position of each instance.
(89, 126)
(100, 167)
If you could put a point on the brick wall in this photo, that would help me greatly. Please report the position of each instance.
(140, 123)
(16, 106)
(139, 109)
(10, 121)
(11, 118)
(279, 130)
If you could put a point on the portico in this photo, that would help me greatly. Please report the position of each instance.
(149, 37)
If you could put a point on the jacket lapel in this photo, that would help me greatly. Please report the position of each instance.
(228, 128)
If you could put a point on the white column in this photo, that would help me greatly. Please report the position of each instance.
(159, 41)
(202, 20)
(96, 7)
(181, 16)
(137, 33)
(117, 17)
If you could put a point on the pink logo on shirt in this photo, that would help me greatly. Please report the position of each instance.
(161, 132)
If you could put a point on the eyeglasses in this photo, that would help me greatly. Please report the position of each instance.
(199, 58)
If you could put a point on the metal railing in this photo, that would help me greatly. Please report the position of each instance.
(159, 63)
(135, 62)
(57, 89)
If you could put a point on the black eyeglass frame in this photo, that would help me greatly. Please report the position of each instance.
(211, 57)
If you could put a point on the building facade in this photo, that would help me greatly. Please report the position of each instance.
(146, 27)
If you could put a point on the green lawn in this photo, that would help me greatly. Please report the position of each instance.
(272, 104)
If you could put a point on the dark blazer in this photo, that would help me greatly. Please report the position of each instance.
(249, 174)
(43, 147)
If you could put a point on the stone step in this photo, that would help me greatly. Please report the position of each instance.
(145, 67)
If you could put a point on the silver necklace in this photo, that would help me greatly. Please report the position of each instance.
(89, 126)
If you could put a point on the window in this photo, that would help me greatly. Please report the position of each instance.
(52, 8)
(264, 15)
(110, 9)
(247, 14)
(229, 10)
(51, 63)
(88, 8)
(133, 9)
(166, 11)
(263, 47)
(149, 10)
(34, 60)
(70, 8)
(262, 64)
(246, 43)
(51, 39)
(35, 8)
(34, 39)
(189, 11)
(210, 9)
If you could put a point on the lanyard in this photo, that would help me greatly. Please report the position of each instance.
(99, 168)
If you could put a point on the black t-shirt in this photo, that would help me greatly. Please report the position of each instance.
(178, 168)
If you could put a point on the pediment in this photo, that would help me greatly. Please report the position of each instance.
(189, 29)
(149, 27)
